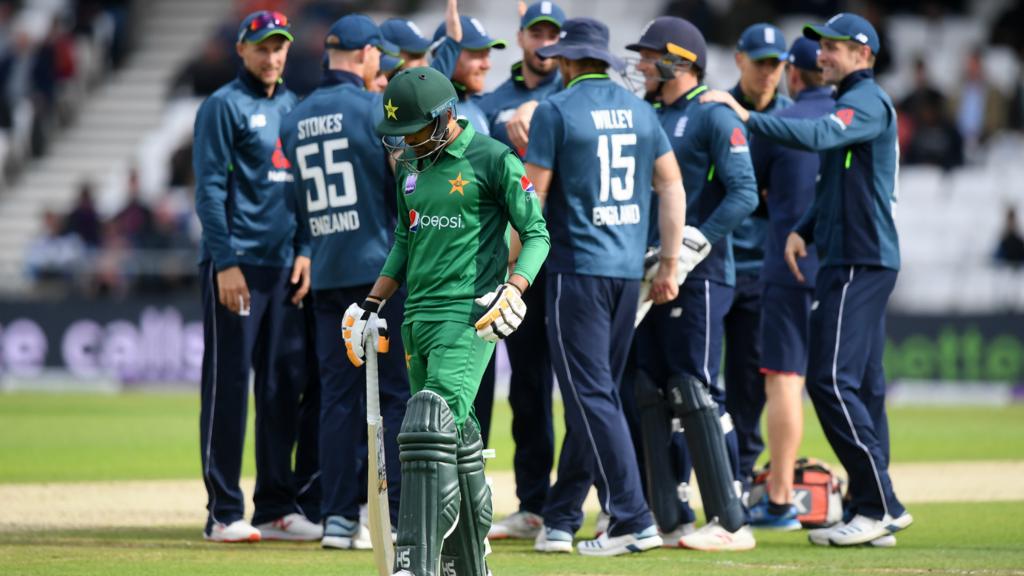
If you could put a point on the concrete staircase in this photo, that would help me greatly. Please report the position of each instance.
(110, 127)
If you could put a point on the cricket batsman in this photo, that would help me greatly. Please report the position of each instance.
(457, 193)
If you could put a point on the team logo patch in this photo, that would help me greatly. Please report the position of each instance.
(414, 221)
(738, 142)
(257, 121)
(458, 185)
(737, 138)
(391, 110)
(527, 186)
(410, 184)
(845, 116)
(278, 159)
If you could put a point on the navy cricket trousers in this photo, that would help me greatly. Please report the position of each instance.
(685, 337)
(846, 381)
(307, 448)
(270, 341)
(590, 326)
(343, 456)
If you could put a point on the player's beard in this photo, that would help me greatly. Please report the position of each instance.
(535, 70)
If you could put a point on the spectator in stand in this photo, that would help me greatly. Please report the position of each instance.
(1011, 244)
(979, 108)
(214, 67)
(1007, 27)
(135, 219)
(935, 139)
(924, 90)
(83, 220)
(167, 254)
(54, 254)
(1015, 115)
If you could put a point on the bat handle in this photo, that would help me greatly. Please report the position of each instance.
(372, 386)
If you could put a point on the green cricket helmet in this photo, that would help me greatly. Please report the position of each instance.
(415, 98)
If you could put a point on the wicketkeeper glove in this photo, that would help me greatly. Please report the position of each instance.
(359, 326)
(695, 249)
(504, 311)
(643, 306)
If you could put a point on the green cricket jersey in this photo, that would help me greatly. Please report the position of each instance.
(451, 241)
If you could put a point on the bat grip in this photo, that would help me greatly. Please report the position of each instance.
(372, 386)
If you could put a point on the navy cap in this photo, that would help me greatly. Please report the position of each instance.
(352, 32)
(406, 35)
(846, 26)
(261, 25)
(672, 35)
(544, 11)
(583, 38)
(804, 54)
(762, 41)
(474, 35)
(389, 58)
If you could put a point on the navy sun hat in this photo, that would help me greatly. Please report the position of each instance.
(762, 41)
(804, 54)
(685, 39)
(261, 25)
(846, 26)
(352, 32)
(583, 38)
(544, 11)
(406, 35)
(474, 35)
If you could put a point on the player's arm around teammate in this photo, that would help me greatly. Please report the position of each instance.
(851, 224)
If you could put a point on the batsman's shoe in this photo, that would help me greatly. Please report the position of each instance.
(862, 530)
(344, 534)
(521, 525)
(606, 545)
(552, 540)
(714, 538)
(887, 541)
(601, 526)
(671, 539)
(762, 517)
(237, 531)
(294, 527)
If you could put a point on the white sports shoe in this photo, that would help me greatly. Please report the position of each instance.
(294, 527)
(713, 538)
(237, 531)
(671, 539)
(601, 526)
(862, 530)
(344, 534)
(606, 545)
(887, 541)
(819, 536)
(521, 525)
(551, 540)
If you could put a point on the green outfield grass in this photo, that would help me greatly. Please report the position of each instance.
(55, 438)
(953, 539)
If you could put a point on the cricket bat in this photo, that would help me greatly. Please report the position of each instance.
(377, 477)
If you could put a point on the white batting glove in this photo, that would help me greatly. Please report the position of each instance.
(695, 249)
(357, 329)
(504, 311)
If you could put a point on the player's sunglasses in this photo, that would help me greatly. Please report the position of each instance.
(268, 19)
